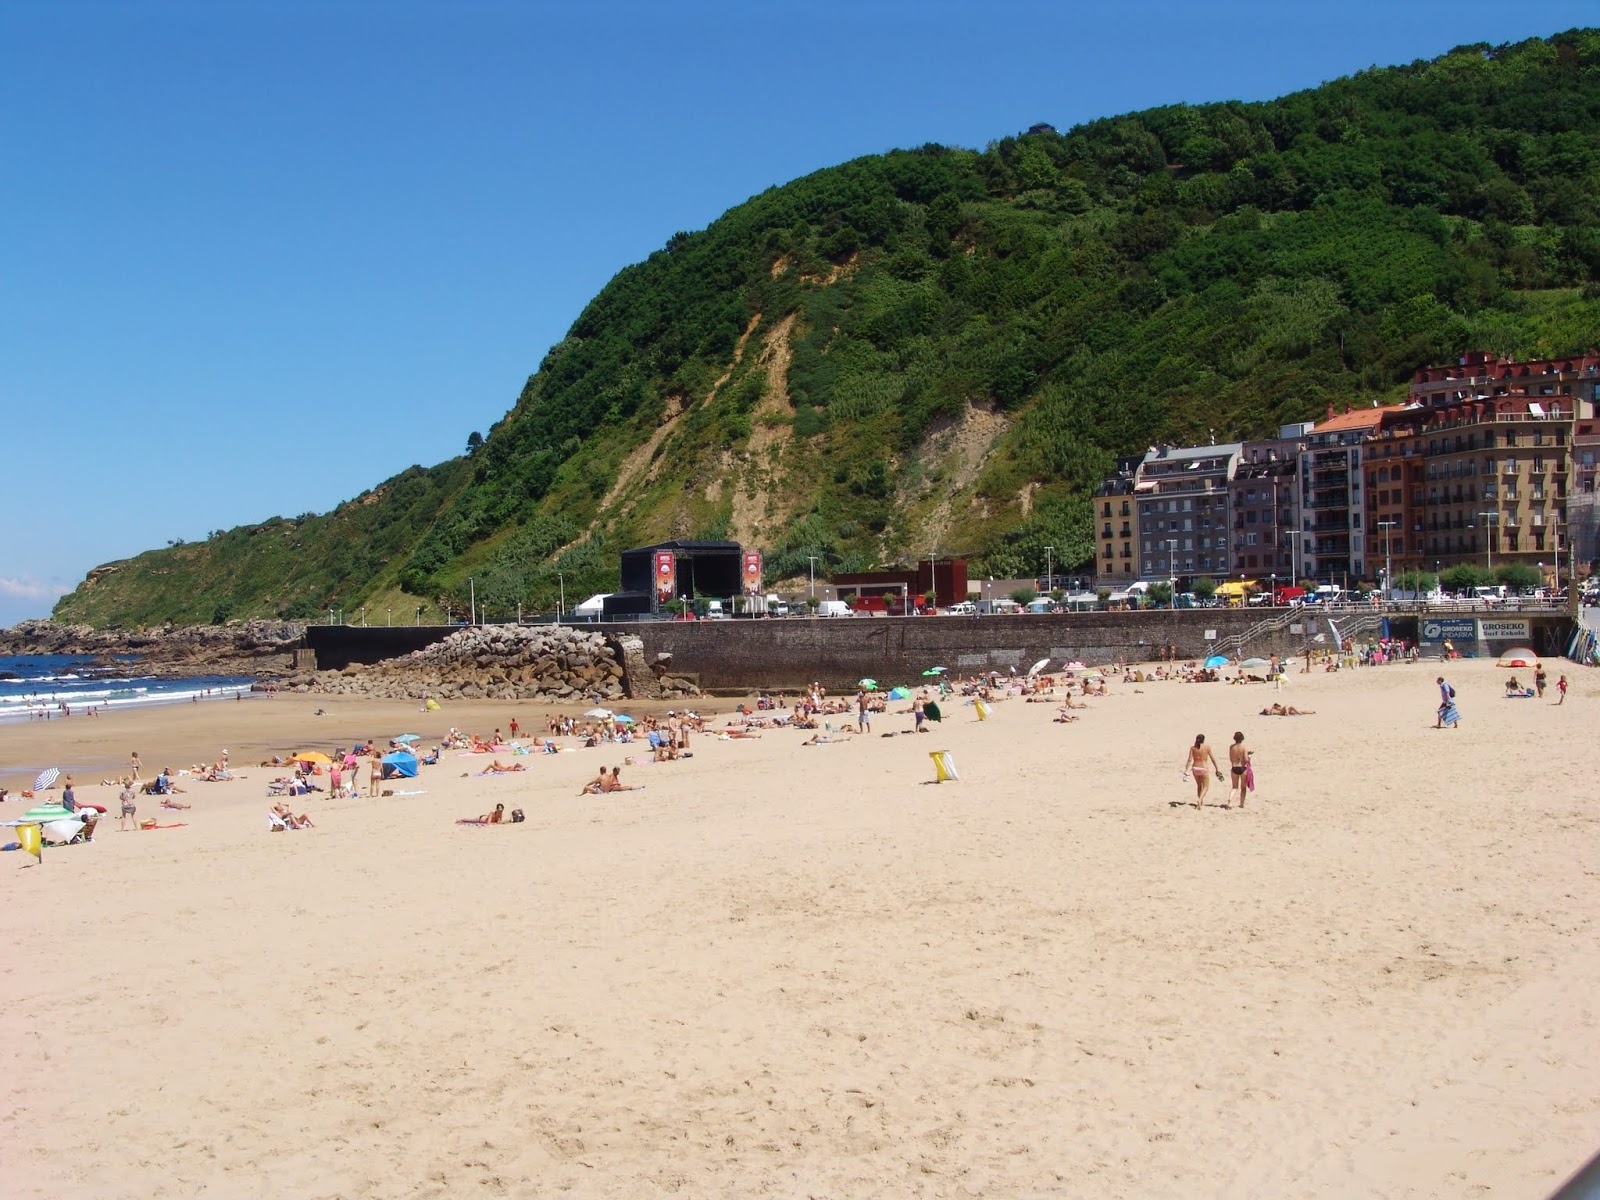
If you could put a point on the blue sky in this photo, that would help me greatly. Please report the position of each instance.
(260, 256)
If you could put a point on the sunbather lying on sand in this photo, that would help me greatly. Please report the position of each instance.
(493, 818)
(303, 821)
(1287, 710)
(169, 802)
(499, 768)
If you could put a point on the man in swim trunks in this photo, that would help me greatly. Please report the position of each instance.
(1238, 765)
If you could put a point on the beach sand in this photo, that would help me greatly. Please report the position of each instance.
(784, 970)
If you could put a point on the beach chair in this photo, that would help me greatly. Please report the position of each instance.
(275, 823)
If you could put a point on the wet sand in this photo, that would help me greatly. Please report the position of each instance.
(789, 970)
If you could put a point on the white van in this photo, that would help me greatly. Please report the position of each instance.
(962, 608)
(833, 608)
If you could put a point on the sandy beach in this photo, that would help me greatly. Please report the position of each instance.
(788, 970)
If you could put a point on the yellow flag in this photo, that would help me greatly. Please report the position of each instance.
(944, 766)
(983, 709)
(28, 836)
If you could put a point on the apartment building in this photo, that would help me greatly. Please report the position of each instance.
(1181, 496)
(1583, 498)
(1262, 504)
(1116, 522)
(1332, 499)
(1499, 439)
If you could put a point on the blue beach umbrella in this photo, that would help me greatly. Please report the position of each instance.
(1217, 660)
(620, 719)
(408, 737)
(900, 693)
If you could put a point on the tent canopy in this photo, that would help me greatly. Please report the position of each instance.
(1237, 587)
(1519, 656)
(399, 765)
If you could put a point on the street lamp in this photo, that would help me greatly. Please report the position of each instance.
(472, 592)
(1295, 547)
(561, 595)
(811, 587)
(391, 614)
(1172, 565)
(1388, 564)
(1488, 541)
(363, 614)
(1049, 568)
(933, 579)
(419, 614)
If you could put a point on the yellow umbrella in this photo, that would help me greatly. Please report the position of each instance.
(311, 756)
(1237, 587)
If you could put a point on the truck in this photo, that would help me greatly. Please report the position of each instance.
(833, 608)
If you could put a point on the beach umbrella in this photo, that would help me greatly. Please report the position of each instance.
(933, 671)
(45, 778)
(1216, 660)
(1074, 665)
(623, 719)
(602, 713)
(1255, 662)
(900, 693)
(1517, 656)
(311, 756)
(1037, 667)
(409, 737)
(869, 684)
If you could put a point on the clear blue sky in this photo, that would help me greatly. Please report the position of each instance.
(263, 254)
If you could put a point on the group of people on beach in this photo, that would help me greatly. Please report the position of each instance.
(1201, 764)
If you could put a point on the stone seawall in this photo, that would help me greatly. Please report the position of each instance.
(837, 651)
(788, 653)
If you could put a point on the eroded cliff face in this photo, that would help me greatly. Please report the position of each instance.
(237, 648)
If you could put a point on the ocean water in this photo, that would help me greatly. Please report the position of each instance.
(43, 683)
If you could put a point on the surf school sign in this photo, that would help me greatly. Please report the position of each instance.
(1439, 629)
(1515, 630)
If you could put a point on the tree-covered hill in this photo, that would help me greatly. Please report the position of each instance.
(943, 349)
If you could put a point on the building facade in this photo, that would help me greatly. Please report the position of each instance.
(1262, 502)
(1332, 500)
(1182, 500)
(1116, 521)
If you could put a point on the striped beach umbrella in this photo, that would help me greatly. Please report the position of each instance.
(45, 778)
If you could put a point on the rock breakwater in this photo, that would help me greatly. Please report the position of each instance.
(500, 662)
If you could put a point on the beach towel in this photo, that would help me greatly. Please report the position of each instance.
(1250, 775)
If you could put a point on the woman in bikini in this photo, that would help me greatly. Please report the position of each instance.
(1200, 763)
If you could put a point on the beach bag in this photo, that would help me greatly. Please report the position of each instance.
(1452, 693)
(517, 817)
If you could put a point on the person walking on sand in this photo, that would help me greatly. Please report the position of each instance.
(1561, 686)
(1238, 769)
(863, 716)
(1200, 763)
(133, 765)
(1540, 679)
(1449, 714)
(130, 810)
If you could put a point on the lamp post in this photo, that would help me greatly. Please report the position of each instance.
(1294, 552)
(330, 614)
(419, 614)
(1049, 568)
(933, 579)
(1488, 541)
(811, 587)
(391, 614)
(472, 603)
(561, 595)
(363, 614)
(1388, 564)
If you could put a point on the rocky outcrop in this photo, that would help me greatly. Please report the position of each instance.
(237, 648)
(498, 662)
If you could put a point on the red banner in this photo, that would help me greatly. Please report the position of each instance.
(752, 572)
(666, 574)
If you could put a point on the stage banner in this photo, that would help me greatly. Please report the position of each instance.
(666, 574)
(752, 573)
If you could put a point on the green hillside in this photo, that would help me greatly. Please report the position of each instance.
(942, 349)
